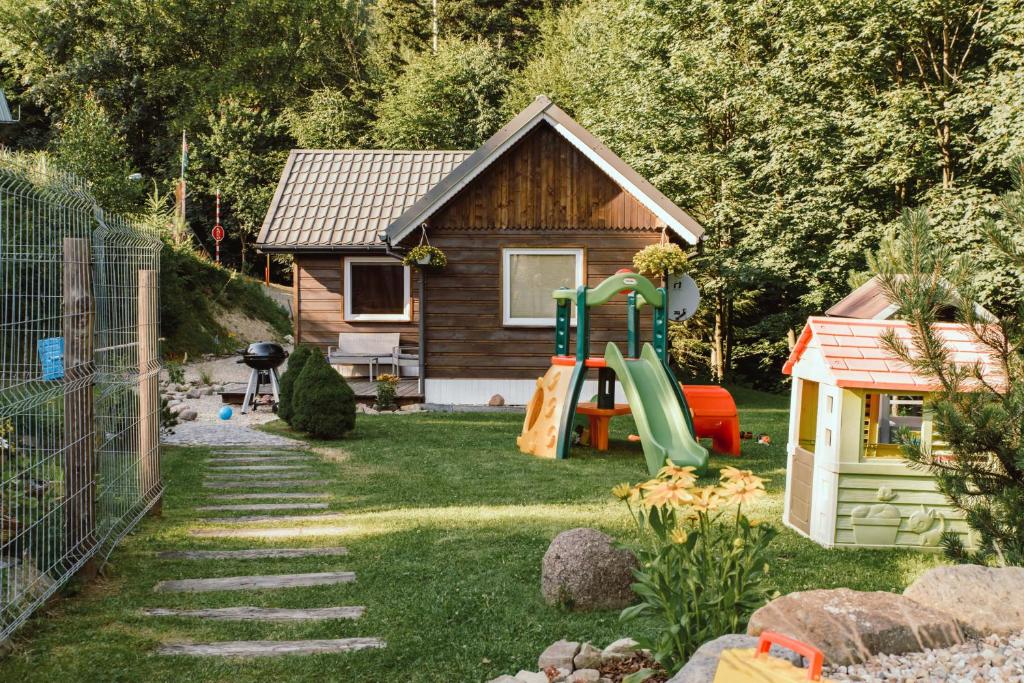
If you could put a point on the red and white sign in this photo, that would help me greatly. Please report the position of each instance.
(218, 232)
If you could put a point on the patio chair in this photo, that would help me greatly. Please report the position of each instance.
(358, 348)
(404, 357)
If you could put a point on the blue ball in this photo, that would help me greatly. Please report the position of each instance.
(226, 413)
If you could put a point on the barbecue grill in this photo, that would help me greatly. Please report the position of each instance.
(264, 358)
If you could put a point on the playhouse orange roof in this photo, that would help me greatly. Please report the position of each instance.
(853, 352)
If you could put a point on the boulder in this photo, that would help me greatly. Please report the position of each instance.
(531, 677)
(583, 570)
(178, 407)
(589, 657)
(620, 649)
(985, 600)
(702, 666)
(558, 655)
(850, 626)
(188, 415)
(584, 676)
(496, 400)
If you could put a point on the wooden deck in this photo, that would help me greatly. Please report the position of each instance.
(408, 391)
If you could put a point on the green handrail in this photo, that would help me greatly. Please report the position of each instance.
(645, 289)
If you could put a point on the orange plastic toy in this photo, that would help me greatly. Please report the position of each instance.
(599, 419)
(714, 416)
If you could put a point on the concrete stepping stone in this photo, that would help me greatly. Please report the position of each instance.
(261, 613)
(268, 496)
(269, 518)
(260, 582)
(262, 458)
(254, 554)
(265, 484)
(263, 452)
(257, 468)
(271, 648)
(215, 476)
(272, 532)
(257, 507)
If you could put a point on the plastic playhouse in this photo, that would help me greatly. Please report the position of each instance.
(663, 417)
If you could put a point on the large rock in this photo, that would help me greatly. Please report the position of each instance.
(583, 570)
(850, 626)
(985, 600)
(559, 655)
(589, 657)
(701, 667)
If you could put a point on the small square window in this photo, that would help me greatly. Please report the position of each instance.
(530, 276)
(376, 289)
(829, 403)
(828, 437)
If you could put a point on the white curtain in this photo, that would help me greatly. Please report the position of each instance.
(532, 279)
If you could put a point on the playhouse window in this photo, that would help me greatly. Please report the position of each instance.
(376, 289)
(529, 276)
(885, 416)
(808, 413)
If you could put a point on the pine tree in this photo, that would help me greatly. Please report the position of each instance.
(323, 404)
(978, 412)
(296, 362)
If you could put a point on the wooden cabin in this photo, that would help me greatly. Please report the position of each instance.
(846, 481)
(542, 204)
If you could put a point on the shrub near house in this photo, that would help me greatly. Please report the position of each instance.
(324, 405)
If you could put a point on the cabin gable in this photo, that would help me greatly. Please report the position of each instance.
(544, 182)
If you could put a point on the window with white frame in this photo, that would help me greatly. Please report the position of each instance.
(376, 289)
(529, 276)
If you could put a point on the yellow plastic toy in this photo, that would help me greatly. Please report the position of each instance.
(544, 413)
(756, 666)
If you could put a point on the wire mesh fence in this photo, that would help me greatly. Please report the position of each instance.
(79, 402)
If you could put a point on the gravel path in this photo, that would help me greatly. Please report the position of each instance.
(979, 661)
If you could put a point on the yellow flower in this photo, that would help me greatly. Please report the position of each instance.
(744, 491)
(678, 536)
(622, 491)
(706, 499)
(672, 493)
(684, 474)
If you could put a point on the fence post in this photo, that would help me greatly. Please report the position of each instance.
(79, 442)
(149, 397)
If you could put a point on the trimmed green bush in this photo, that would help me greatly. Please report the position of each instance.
(296, 362)
(323, 404)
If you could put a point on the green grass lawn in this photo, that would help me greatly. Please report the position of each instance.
(447, 523)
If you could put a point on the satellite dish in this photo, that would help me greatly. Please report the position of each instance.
(683, 297)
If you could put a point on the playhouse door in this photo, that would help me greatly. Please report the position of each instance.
(801, 475)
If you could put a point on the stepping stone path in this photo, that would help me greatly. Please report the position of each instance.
(239, 583)
(262, 469)
(256, 507)
(261, 613)
(264, 484)
(266, 496)
(272, 648)
(269, 518)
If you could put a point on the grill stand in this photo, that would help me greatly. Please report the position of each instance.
(252, 391)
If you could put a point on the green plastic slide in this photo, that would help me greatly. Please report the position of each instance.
(664, 430)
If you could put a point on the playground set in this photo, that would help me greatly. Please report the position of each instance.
(669, 417)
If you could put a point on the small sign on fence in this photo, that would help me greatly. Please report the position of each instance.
(51, 357)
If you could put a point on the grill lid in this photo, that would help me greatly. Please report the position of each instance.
(264, 355)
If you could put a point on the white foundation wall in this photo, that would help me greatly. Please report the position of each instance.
(477, 392)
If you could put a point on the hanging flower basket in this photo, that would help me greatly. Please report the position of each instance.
(656, 260)
(425, 256)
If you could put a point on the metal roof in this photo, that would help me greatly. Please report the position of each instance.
(337, 199)
(854, 356)
(869, 302)
(544, 110)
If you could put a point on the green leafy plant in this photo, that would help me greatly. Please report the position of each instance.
(656, 260)
(387, 391)
(704, 564)
(205, 375)
(425, 256)
(323, 405)
(286, 388)
(175, 372)
(168, 419)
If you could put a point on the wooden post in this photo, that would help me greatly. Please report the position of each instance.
(149, 396)
(79, 460)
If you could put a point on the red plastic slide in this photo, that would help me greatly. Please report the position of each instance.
(714, 416)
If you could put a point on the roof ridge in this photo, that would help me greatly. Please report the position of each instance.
(380, 151)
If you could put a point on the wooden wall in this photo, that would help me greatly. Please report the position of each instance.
(465, 334)
(318, 302)
(544, 182)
